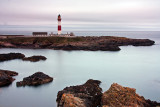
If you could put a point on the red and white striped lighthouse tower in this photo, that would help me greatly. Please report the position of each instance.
(59, 24)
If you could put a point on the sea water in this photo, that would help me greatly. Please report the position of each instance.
(135, 67)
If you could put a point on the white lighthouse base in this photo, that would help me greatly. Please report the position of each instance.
(59, 32)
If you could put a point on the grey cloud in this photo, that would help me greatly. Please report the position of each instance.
(20, 12)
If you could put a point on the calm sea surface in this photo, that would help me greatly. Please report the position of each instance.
(136, 67)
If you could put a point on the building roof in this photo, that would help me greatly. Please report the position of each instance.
(39, 33)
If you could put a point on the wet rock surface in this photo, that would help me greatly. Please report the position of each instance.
(11, 56)
(87, 48)
(36, 79)
(90, 95)
(34, 58)
(6, 77)
(118, 96)
(103, 43)
(86, 95)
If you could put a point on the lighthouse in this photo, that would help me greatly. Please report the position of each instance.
(59, 24)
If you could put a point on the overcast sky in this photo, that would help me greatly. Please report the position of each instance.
(113, 14)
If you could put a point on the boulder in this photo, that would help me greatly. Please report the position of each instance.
(34, 58)
(36, 79)
(11, 56)
(86, 95)
(6, 77)
(119, 96)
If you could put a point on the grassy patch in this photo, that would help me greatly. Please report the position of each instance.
(43, 39)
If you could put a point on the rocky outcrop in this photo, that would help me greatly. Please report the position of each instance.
(90, 95)
(142, 42)
(86, 95)
(36, 79)
(34, 58)
(6, 77)
(118, 96)
(11, 56)
(103, 43)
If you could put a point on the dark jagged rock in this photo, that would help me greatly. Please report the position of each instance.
(11, 56)
(86, 95)
(91, 48)
(89, 95)
(118, 96)
(10, 73)
(6, 77)
(34, 58)
(142, 42)
(36, 79)
(103, 43)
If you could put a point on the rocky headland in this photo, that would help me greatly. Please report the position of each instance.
(103, 43)
(90, 95)
(6, 77)
(36, 79)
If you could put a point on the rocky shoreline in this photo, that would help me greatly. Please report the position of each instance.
(103, 43)
(90, 95)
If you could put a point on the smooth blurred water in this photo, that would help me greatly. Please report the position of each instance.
(135, 67)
